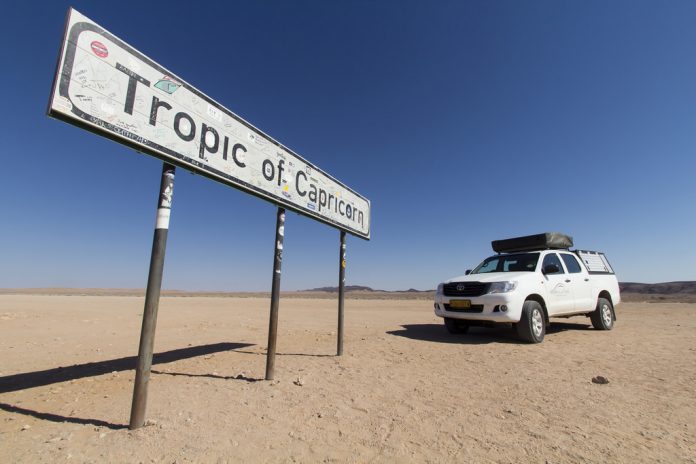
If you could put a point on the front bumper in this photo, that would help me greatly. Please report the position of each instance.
(487, 307)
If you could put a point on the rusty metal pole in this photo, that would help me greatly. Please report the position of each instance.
(275, 294)
(152, 295)
(341, 292)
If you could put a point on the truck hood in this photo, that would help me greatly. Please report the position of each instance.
(492, 277)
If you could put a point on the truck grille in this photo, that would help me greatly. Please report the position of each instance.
(465, 289)
(472, 309)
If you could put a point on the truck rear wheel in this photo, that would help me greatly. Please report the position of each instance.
(532, 326)
(603, 316)
(455, 326)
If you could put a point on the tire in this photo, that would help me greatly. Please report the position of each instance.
(603, 316)
(455, 326)
(532, 325)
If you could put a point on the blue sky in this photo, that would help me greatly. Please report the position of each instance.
(462, 122)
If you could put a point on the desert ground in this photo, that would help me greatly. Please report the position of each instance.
(404, 390)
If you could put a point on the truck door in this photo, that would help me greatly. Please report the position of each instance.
(580, 283)
(559, 297)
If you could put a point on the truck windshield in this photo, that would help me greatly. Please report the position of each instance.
(508, 263)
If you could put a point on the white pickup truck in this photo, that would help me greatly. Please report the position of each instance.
(530, 280)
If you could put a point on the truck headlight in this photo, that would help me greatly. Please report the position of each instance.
(439, 289)
(502, 287)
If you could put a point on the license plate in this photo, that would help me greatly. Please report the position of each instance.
(460, 304)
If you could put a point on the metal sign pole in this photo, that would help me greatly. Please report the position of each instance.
(154, 284)
(275, 294)
(341, 291)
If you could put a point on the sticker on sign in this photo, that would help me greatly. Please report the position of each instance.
(105, 86)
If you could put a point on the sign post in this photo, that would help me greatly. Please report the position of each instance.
(341, 291)
(275, 294)
(152, 295)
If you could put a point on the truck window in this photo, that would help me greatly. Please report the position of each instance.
(490, 265)
(519, 262)
(571, 263)
(552, 258)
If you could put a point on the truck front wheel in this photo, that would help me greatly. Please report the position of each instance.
(455, 326)
(603, 316)
(532, 326)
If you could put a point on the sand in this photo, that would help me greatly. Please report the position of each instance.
(404, 391)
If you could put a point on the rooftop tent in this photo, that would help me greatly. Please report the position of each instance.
(533, 242)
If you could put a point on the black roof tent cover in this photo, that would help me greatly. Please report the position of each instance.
(533, 242)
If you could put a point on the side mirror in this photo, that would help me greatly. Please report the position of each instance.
(467, 272)
(550, 269)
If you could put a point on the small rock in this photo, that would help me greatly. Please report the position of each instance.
(299, 382)
(216, 374)
(102, 435)
(150, 422)
(319, 415)
(600, 380)
(26, 427)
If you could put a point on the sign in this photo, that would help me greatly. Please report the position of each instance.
(107, 87)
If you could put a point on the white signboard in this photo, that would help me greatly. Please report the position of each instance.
(107, 87)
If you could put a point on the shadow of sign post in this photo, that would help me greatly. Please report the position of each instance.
(42, 378)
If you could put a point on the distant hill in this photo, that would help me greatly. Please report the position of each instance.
(349, 288)
(665, 288)
(684, 292)
(362, 288)
(666, 292)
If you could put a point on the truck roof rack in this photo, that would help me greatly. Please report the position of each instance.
(545, 241)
